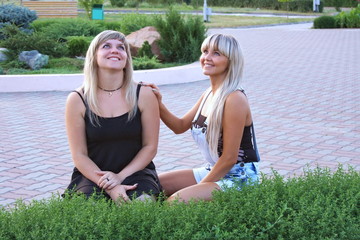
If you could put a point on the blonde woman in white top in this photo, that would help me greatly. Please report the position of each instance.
(221, 125)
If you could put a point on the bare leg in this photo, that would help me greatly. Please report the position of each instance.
(201, 191)
(176, 180)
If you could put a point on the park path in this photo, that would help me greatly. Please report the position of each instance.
(303, 86)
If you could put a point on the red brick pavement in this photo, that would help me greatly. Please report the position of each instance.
(303, 87)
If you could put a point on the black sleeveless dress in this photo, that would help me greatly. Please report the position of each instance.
(111, 146)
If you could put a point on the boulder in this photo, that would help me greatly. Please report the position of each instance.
(137, 39)
(34, 59)
(3, 57)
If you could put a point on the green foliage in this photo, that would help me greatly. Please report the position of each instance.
(318, 205)
(62, 28)
(18, 41)
(145, 62)
(18, 15)
(324, 22)
(145, 50)
(132, 22)
(88, 4)
(78, 45)
(132, 3)
(348, 20)
(117, 3)
(181, 37)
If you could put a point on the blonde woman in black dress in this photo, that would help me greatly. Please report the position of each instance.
(112, 125)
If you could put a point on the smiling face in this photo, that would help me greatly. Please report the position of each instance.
(111, 55)
(214, 63)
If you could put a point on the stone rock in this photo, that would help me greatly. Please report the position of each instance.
(34, 59)
(3, 57)
(136, 40)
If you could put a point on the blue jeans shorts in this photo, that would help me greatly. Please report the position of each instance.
(240, 173)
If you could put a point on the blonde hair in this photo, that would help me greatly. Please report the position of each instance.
(90, 84)
(229, 47)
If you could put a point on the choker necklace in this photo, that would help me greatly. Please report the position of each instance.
(110, 92)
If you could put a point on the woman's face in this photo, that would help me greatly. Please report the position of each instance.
(213, 63)
(111, 55)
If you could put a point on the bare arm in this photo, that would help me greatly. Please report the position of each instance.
(75, 127)
(176, 124)
(236, 116)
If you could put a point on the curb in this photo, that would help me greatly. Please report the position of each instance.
(67, 82)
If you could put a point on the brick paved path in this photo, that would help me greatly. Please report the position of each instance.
(303, 86)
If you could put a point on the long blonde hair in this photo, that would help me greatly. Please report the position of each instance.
(229, 47)
(90, 84)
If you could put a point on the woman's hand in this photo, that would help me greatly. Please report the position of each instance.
(108, 180)
(155, 89)
(119, 192)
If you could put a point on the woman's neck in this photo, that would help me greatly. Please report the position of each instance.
(110, 80)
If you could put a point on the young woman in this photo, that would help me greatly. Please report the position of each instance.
(112, 125)
(220, 123)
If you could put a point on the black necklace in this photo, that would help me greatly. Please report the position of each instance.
(110, 92)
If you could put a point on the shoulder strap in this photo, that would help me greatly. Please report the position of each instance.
(206, 95)
(138, 90)
(80, 96)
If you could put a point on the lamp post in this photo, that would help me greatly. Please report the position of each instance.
(205, 12)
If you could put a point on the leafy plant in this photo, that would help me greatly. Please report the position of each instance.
(181, 37)
(145, 50)
(18, 15)
(78, 45)
(318, 205)
(145, 62)
(324, 22)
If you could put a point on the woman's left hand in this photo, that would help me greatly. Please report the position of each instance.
(108, 180)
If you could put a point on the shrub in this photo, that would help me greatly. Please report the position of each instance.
(318, 205)
(324, 22)
(117, 3)
(181, 38)
(145, 62)
(350, 19)
(145, 50)
(62, 28)
(19, 41)
(132, 22)
(18, 15)
(78, 45)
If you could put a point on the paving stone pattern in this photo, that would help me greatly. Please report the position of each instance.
(303, 86)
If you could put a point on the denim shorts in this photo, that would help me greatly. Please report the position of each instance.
(240, 173)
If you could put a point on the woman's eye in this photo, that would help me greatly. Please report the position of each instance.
(205, 51)
(106, 46)
(121, 47)
(216, 53)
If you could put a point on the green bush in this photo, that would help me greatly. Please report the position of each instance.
(350, 19)
(18, 41)
(18, 15)
(318, 205)
(324, 22)
(145, 62)
(132, 22)
(181, 37)
(117, 3)
(145, 50)
(78, 45)
(62, 28)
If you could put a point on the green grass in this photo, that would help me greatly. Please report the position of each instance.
(317, 205)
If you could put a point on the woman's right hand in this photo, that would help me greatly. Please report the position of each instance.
(155, 90)
(119, 192)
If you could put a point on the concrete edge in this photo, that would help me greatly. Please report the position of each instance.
(67, 82)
